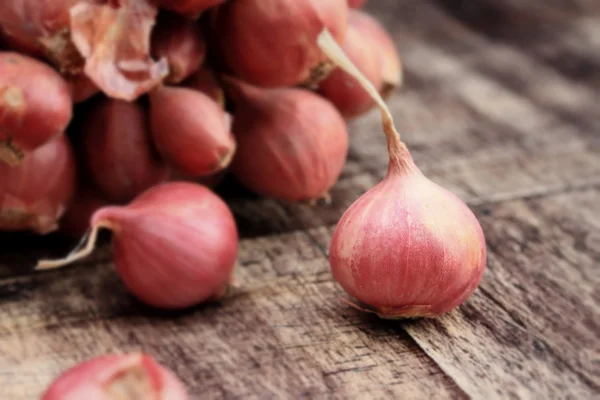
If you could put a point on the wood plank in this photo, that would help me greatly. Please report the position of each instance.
(283, 333)
(531, 330)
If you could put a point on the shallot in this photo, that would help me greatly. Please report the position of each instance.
(174, 246)
(118, 150)
(190, 130)
(133, 376)
(42, 28)
(273, 42)
(292, 142)
(380, 40)
(181, 43)
(342, 89)
(35, 105)
(407, 248)
(35, 194)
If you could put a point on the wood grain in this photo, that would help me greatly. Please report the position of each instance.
(501, 107)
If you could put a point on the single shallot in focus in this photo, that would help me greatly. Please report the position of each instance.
(407, 248)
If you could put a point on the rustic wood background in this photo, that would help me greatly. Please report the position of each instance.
(501, 105)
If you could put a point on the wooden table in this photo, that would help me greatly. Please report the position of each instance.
(501, 105)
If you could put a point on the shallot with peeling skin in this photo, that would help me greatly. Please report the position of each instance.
(380, 40)
(35, 105)
(407, 248)
(272, 43)
(190, 8)
(35, 194)
(118, 150)
(114, 40)
(181, 43)
(190, 130)
(342, 89)
(133, 376)
(292, 143)
(174, 246)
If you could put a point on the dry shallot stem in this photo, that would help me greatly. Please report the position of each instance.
(396, 148)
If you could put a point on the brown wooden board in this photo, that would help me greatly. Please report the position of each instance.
(501, 105)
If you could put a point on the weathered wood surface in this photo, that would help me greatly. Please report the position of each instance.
(501, 106)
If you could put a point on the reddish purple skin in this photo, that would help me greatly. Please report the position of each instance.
(191, 8)
(35, 102)
(273, 43)
(94, 379)
(118, 150)
(408, 247)
(292, 144)
(35, 194)
(356, 3)
(174, 246)
(190, 130)
(343, 90)
(181, 42)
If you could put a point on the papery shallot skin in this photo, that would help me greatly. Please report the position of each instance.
(114, 41)
(35, 194)
(175, 246)
(408, 248)
(117, 377)
(35, 105)
(272, 43)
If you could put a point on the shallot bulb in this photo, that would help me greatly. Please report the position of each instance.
(205, 81)
(133, 376)
(292, 143)
(181, 43)
(39, 27)
(35, 194)
(190, 8)
(118, 150)
(190, 130)
(341, 88)
(174, 246)
(406, 248)
(380, 40)
(273, 42)
(35, 105)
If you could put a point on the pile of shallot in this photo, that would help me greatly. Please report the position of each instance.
(120, 115)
